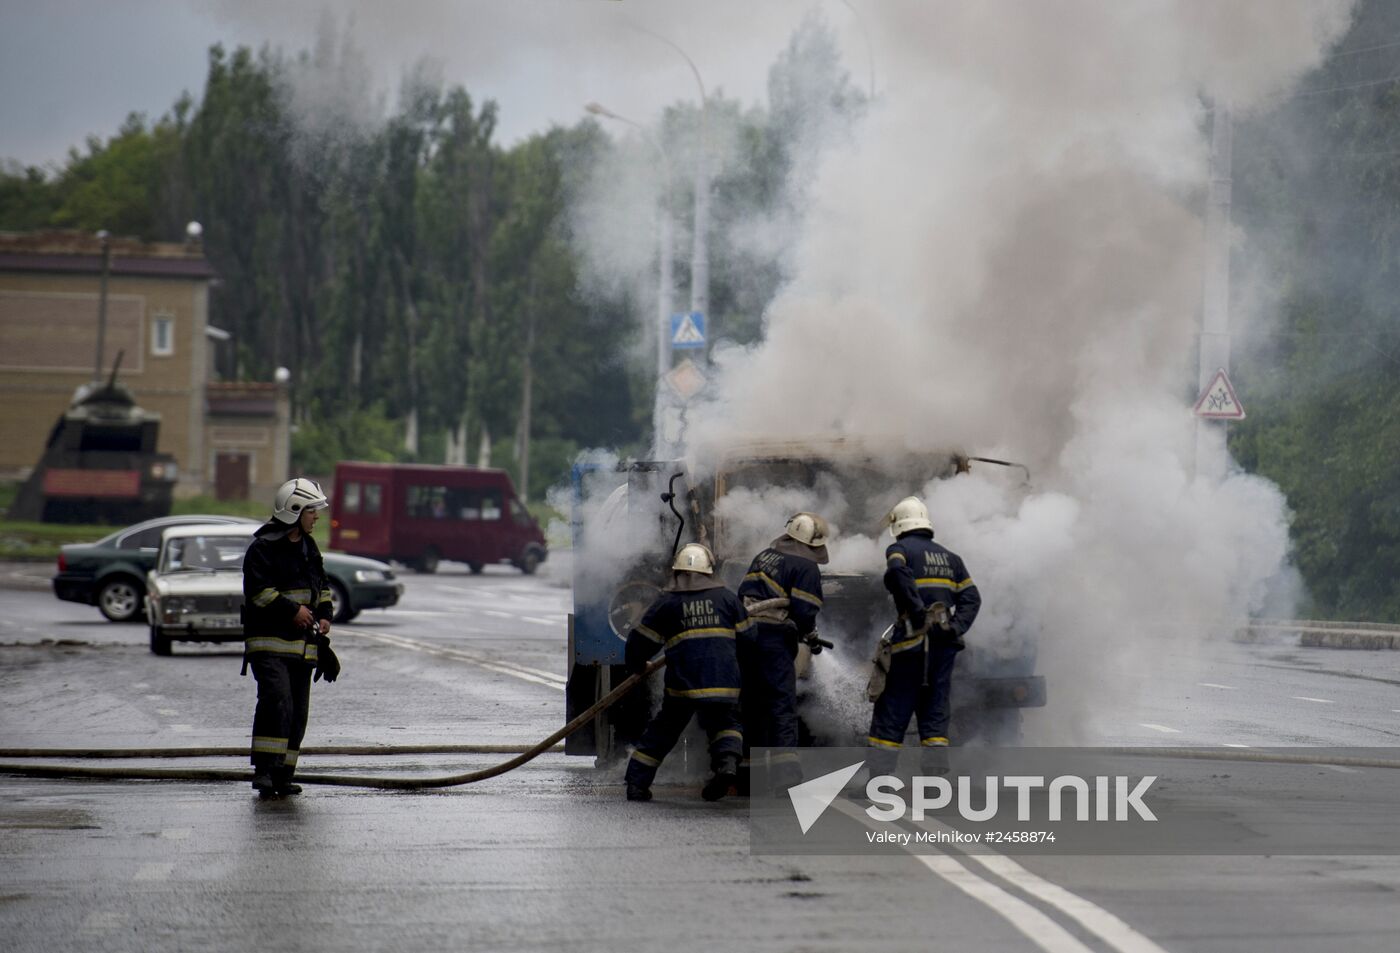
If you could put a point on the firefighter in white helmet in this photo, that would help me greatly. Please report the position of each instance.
(696, 621)
(937, 602)
(286, 625)
(783, 592)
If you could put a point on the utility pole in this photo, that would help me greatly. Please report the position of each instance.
(1211, 453)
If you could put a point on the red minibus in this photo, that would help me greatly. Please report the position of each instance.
(419, 514)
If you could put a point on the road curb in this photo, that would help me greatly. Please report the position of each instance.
(1373, 636)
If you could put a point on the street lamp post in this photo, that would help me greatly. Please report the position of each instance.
(105, 238)
(700, 246)
(666, 283)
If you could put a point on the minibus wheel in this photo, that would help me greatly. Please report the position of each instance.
(428, 562)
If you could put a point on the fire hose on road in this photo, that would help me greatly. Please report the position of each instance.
(347, 780)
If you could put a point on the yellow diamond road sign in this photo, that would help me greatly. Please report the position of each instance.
(1218, 400)
(685, 379)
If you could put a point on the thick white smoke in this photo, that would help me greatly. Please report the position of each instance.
(1009, 259)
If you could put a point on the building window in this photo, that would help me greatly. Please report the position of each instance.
(163, 335)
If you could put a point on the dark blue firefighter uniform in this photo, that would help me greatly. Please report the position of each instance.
(918, 573)
(767, 656)
(698, 630)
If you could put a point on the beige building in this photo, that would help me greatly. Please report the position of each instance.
(229, 439)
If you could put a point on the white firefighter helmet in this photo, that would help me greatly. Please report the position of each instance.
(297, 496)
(808, 528)
(694, 557)
(908, 514)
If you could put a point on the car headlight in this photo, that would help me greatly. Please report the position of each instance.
(173, 609)
(370, 575)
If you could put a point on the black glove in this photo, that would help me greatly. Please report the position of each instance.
(816, 643)
(327, 665)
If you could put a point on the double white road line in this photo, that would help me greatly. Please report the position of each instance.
(1037, 925)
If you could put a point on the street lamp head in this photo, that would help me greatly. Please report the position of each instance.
(193, 231)
(598, 109)
(282, 375)
(103, 235)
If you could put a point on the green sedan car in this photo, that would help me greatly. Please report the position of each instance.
(111, 573)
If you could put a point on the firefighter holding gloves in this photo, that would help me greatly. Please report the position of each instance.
(696, 621)
(937, 603)
(782, 592)
(286, 623)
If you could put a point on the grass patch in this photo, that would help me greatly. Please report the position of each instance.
(31, 542)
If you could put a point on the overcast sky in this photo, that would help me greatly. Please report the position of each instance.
(72, 68)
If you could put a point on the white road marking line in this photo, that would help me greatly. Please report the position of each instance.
(167, 712)
(1097, 920)
(1228, 688)
(155, 698)
(154, 872)
(497, 613)
(177, 833)
(1307, 698)
(536, 619)
(1229, 745)
(1044, 932)
(538, 676)
(1162, 728)
(1341, 769)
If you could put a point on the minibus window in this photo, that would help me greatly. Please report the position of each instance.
(352, 498)
(374, 498)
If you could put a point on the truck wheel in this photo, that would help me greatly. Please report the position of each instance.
(160, 644)
(476, 568)
(529, 561)
(428, 562)
(119, 598)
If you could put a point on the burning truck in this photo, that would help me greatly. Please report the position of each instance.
(629, 518)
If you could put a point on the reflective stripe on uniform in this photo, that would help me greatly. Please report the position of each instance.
(729, 733)
(703, 692)
(719, 632)
(942, 583)
(265, 598)
(268, 643)
(265, 745)
(301, 597)
(806, 597)
(645, 759)
(291, 759)
(763, 577)
(650, 634)
(893, 556)
(881, 742)
(937, 741)
(326, 596)
(744, 626)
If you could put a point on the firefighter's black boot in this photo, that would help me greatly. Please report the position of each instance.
(635, 792)
(726, 774)
(283, 781)
(264, 784)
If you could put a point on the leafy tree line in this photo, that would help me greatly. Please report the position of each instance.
(422, 282)
(1317, 188)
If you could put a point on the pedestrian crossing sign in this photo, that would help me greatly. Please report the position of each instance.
(1218, 400)
(687, 331)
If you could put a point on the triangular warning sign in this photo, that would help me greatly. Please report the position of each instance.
(687, 332)
(1218, 400)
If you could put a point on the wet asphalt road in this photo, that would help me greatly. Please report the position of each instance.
(550, 856)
